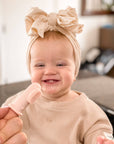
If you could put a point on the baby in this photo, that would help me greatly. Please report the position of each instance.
(59, 115)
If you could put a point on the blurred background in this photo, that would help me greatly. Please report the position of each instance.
(96, 40)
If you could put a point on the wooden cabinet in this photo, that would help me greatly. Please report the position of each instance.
(88, 8)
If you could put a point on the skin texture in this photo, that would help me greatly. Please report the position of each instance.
(52, 66)
(10, 128)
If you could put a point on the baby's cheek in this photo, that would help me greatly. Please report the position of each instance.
(34, 78)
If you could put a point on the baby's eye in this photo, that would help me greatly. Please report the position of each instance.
(39, 65)
(61, 64)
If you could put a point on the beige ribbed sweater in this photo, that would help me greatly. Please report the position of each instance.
(75, 122)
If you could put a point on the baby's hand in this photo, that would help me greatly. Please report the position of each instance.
(103, 140)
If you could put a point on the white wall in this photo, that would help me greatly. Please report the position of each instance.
(14, 40)
(13, 48)
(0, 39)
(1, 43)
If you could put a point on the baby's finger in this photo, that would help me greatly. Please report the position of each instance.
(12, 127)
(100, 140)
(19, 138)
(108, 142)
(103, 140)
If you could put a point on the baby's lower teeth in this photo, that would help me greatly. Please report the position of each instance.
(50, 81)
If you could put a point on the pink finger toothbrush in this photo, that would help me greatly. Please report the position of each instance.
(29, 96)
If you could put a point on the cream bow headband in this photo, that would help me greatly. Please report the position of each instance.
(38, 21)
(65, 21)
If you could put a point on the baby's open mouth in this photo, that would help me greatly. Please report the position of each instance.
(50, 81)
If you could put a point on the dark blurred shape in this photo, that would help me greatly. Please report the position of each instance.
(107, 37)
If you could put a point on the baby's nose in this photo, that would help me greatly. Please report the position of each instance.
(50, 70)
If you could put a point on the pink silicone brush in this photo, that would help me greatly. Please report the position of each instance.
(23, 100)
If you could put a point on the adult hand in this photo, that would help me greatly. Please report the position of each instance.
(103, 140)
(10, 128)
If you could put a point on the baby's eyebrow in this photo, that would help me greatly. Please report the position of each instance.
(63, 60)
(37, 60)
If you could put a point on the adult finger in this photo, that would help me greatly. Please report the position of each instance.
(19, 138)
(6, 114)
(11, 114)
(2, 123)
(12, 127)
(3, 112)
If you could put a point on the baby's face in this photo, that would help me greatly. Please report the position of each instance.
(52, 66)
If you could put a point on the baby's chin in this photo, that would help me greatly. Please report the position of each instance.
(49, 93)
(55, 95)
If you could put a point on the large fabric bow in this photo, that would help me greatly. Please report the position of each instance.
(38, 22)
